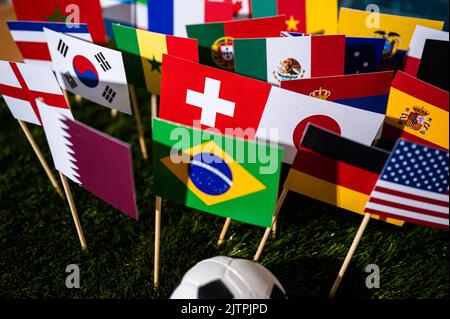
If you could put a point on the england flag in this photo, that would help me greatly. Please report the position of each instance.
(90, 70)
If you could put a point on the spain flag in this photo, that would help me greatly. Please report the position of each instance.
(216, 174)
(417, 111)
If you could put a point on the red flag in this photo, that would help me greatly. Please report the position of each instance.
(87, 11)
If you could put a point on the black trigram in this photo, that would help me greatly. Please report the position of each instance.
(109, 94)
(62, 48)
(103, 62)
(70, 80)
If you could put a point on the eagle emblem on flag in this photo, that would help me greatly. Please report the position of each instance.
(289, 69)
(417, 119)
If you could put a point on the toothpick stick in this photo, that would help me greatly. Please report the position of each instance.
(137, 116)
(224, 231)
(157, 241)
(274, 229)
(267, 232)
(154, 108)
(350, 254)
(41, 158)
(73, 210)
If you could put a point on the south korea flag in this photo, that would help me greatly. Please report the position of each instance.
(90, 70)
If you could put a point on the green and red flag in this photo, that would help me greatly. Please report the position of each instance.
(216, 174)
(215, 40)
(143, 52)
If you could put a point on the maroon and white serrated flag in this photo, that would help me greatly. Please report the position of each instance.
(97, 162)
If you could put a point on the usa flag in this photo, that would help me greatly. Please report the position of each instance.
(413, 186)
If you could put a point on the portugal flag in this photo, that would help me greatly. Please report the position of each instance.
(216, 174)
(418, 112)
(224, 100)
(336, 170)
(215, 40)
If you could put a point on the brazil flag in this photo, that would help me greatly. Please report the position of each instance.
(216, 174)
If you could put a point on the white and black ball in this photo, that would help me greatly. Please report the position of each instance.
(229, 278)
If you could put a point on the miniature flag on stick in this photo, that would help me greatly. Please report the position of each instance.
(95, 161)
(413, 185)
(336, 170)
(307, 16)
(143, 52)
(210, 174)
(224, 100)
(215, 40)
(21, 84)
(67, 11)
(30, 37)
(418, 112)
(90, 70)
(289, 58)
(414, 55)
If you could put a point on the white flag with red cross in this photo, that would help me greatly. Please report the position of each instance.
(21, 84)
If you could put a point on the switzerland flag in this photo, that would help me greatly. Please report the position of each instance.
(89, 12)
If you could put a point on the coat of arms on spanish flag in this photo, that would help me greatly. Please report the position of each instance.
(418, 112)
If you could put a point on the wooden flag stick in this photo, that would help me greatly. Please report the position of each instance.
(113, 113)
(137, 116)
(41, 158)
(157, 241)
(350, 254)
(274, 229)
(78, 100)
(153, 106)
(268, 229)
(73, 210)
(224, 232)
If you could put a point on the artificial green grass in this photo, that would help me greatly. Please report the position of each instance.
(38, 238)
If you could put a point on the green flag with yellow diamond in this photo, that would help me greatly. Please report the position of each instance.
(217, 174)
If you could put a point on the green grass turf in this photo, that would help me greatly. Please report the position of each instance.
(38, 238)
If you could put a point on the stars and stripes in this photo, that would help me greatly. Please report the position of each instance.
(413, 186)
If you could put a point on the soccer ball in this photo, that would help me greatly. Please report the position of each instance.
(228, 278)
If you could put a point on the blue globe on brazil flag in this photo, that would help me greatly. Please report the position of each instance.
(210, 174)
(85, 71)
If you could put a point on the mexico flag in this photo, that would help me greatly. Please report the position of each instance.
(215, 40)
(21, 84)
(418, 112)
(172, 16)
(414, 54)
(90, 70)
(336, 170)
(305, 16)
(143, 52)
(254, 109)
(289, 58)
(67, 11)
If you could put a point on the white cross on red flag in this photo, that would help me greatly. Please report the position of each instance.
(21, 84)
